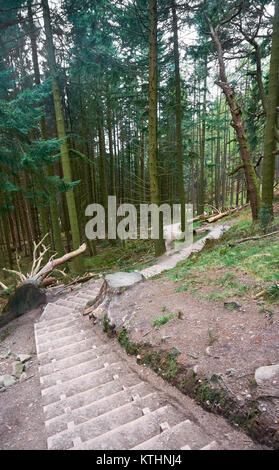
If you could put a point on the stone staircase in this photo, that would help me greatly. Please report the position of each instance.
(92, 399)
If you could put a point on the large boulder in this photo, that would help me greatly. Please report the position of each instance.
(267, 379)
(267, 374)
(26, 298)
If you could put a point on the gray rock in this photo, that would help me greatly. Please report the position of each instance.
(230, 372)
(23, 376)
(23, 358)
(18, 368)
(9, 380)
(266, 373)
(1, 380)
(232, 305)
(7, 354)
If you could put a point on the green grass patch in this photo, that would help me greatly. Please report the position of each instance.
(259, 259)
(162, 319)
(136, 254)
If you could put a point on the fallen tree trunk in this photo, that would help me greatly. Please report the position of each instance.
(214, 218)
(28, 295)
(52, 263)
(198, 218)
(242, 240)
(37, 276)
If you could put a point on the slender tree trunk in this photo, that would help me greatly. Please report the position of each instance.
(238, 125)
(178, 113)
(152, 121)
(202, 148)
(65, 159)
(111, 154)
(218, 158)
(271, 119)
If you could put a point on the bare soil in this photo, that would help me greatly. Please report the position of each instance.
(21, 413)
(239, 341)
(211, 340)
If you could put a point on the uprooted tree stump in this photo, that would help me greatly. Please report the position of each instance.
(29, 294)
(26, 298)
(113, 286)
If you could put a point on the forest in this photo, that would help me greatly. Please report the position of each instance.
(161, 101)
(122, 340)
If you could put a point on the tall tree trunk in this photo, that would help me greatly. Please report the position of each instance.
(65, 159)
(111, 154)
(202, 148)
(238, 125)
(57, 240)
(152, 121)
(271, 119)
(179, 148)
(218, 157)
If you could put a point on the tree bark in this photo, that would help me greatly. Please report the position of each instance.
(238, 125)
(65, 159)
(152, 121)
(178, 113)
(271, 119)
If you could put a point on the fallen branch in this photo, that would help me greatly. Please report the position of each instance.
(3, 286)
(19, 274)
(52, 263)
(237, 242)
(37, 275)
(85, 278)
(259, 294)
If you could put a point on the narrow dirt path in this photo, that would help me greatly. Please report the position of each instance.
(170, 261)
(95, 399)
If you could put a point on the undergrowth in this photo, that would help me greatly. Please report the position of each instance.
(259, 260)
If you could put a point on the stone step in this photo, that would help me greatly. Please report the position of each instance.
(54, 311)
(211, 446)
(76, 359)
(167, 437)
(98, 407)
(131, 434)
(69, 330)
(185, 435)
(79, 370)
(44, 325)
(85, 296)
(80, 384)
(52, 306)
(83, 398)
(60, 342)
(50, 327)
(77, 300)
(68, 303)
(99, 425)
(68, 350)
